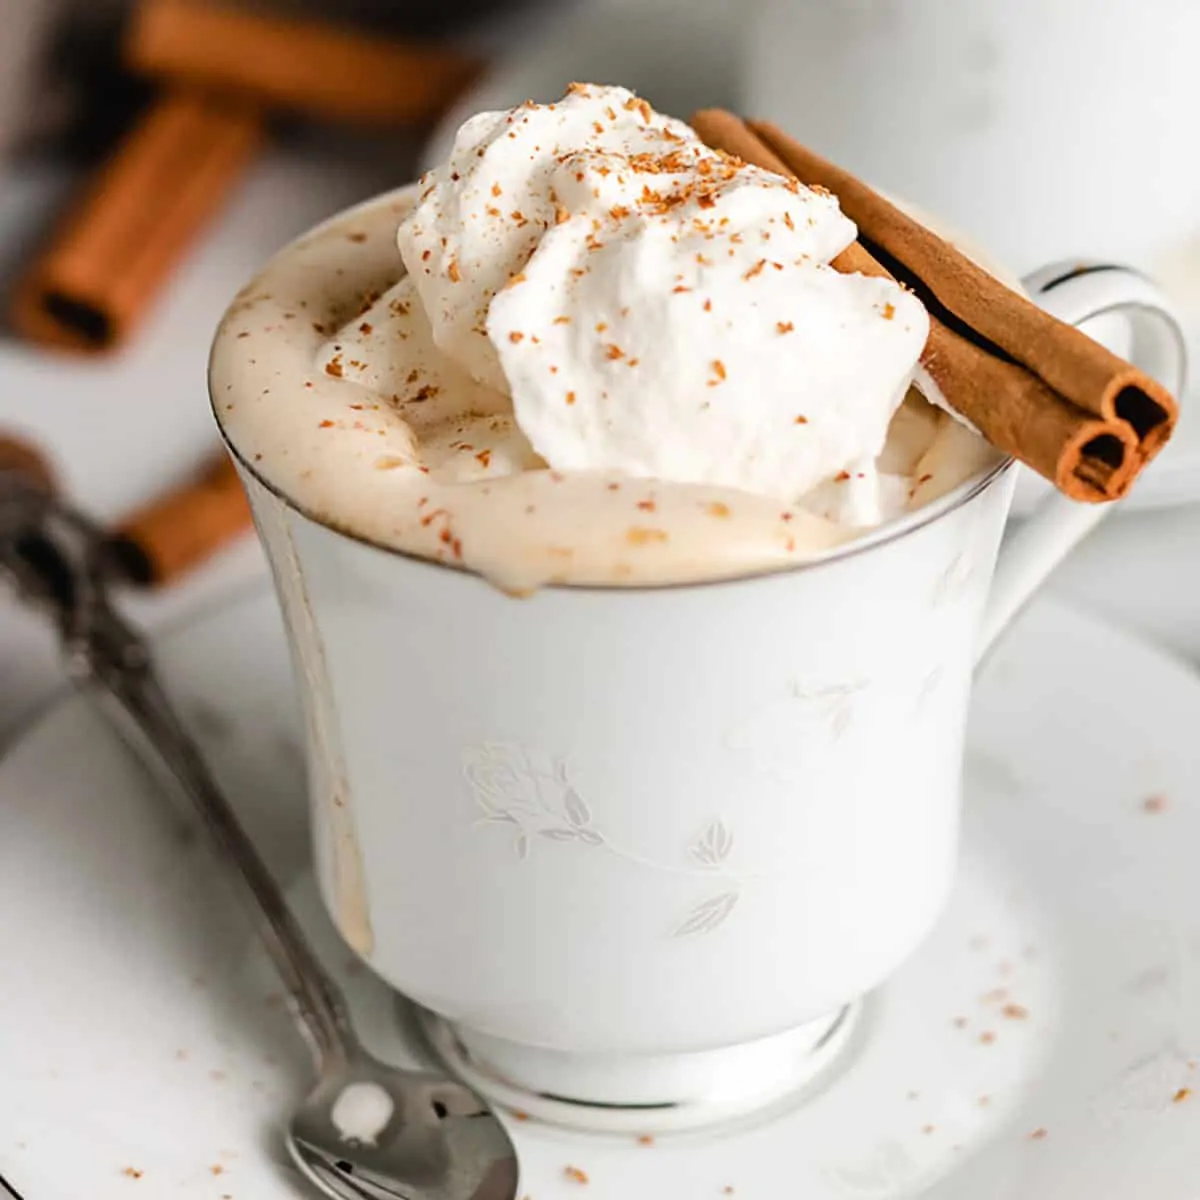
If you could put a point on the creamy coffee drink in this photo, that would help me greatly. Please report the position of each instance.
(588, 350)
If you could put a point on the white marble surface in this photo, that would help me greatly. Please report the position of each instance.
(121, 429)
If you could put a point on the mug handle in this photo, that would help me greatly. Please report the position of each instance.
(1076, 292)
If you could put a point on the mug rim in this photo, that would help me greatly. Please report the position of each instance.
(882, 535)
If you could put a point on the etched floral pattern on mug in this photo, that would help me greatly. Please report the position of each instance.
(534, 798)
(770, 735)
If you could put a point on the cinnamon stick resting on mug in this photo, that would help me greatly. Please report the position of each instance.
(175, 533)
(305, 66)
(1035, 387)
(117, 245)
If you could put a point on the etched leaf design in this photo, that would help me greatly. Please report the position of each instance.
(954, 579)
(522, 845)
(841, 718)
(576, 807)
(713, 846)
(559, 834)
(589, 837)
(930, 685)
(708, 915)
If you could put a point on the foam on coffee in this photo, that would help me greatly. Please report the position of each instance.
(328, 379)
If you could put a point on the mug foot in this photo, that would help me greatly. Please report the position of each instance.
(642, 1094)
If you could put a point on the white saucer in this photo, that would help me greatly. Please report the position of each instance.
(142, 1039)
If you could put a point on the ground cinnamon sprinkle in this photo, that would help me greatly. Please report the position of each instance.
(784, 326)
(570, 397)
(718, 509)
(718, 368)
(640, 535)
(634, 104)
(562, 320)
(334, 367)
(516, 336)
(889, 311)
(1015, 1012)
(132, 1173)
(757, 269)
(575, 1174)
(1037, 1135)
(1181, 1095)
(841, 477)
(1154, 805)
(645, 1140)
(613, 351)
(647, 506)
(453, 271)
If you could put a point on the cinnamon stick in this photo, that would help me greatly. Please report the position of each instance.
(1078, 368)
(27, 461)
(137, 216)
(304, 66)
(175, 533)
(1089, 456)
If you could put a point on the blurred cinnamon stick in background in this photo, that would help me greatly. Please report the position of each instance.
(26, 460)
(225, 72)
(168, 537)
(307, 66)
(128, 229)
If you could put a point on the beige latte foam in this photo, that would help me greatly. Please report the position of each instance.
(328, 385)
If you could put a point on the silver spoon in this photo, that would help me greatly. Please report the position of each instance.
(367, 1130)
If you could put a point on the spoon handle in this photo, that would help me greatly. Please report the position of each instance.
(113, 657)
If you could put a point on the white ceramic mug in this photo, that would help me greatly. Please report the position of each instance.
(644, 846)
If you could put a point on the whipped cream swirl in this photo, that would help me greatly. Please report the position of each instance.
(656, 308)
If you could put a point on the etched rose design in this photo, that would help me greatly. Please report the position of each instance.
(535, 798)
